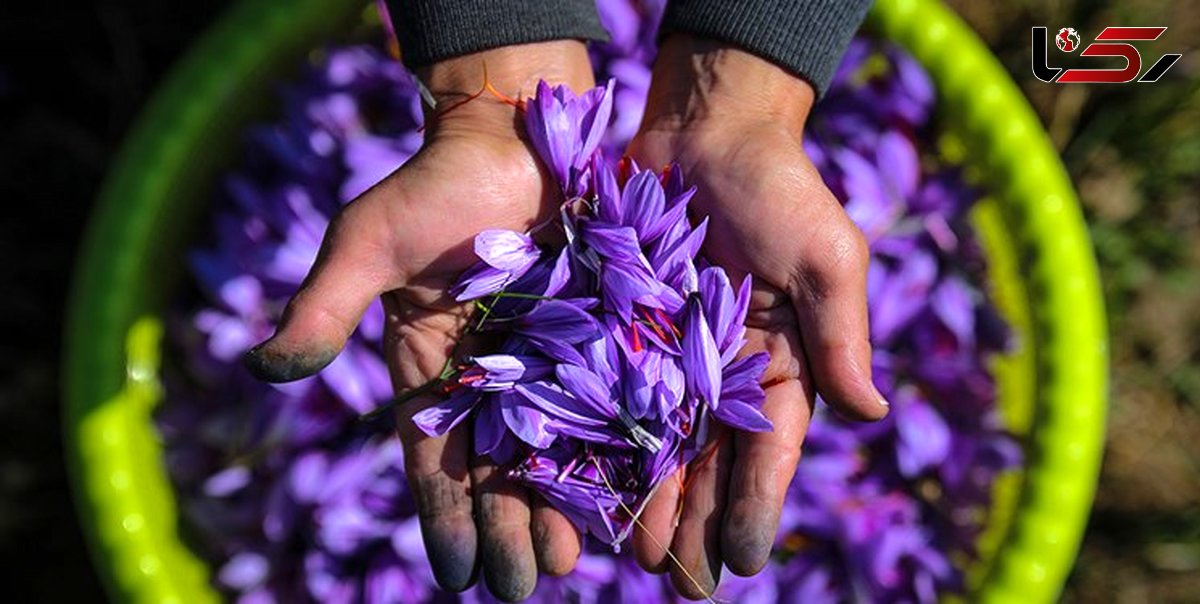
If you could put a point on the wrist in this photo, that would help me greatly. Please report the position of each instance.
(512, 71)
(700, 82)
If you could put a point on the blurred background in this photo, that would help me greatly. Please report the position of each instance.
(73, 79)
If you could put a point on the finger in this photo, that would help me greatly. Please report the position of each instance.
(556, 542)
(830, 296)
(505, 543)
(351, 269)
(763, 467)
(697, 542)
(437, 472)
(657, 529)
(765, 462)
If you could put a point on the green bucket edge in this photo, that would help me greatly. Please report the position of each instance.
(155, 192)
(1007, 147)
(1032, 226)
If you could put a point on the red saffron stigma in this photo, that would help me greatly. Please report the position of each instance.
(653, 324)
(623, 169)
(637, 339)
(662, 316)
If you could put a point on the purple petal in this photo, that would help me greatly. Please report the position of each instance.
(526, 421)
(489, 429)
(609, 206)
(552, 131)
(640, 384)
(445, 415)
(553, 400)
(953, 304)
(504, 370)
(701, 361)
(742, 416)
(742, 379)
(924, 438)
(560, 275)
(644, 200)
(244, 571)
(506, 250)
(612, 241)
(227, 481)
(558, 321)
(588, 388)
(898, 163)
(480, 280)
(595, 120)
(306, 476)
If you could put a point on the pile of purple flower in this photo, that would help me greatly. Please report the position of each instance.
(619, 347)
(295, 498)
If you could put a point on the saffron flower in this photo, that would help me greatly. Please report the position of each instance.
(566, 130)
(613, 386)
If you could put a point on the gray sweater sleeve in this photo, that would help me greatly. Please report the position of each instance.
(432, 30)
(806, 37)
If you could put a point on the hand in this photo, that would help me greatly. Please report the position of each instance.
(408, 239)
(734, 123)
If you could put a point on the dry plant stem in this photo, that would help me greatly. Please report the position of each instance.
(638, 522)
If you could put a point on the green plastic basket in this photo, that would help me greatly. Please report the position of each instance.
(1042, 274)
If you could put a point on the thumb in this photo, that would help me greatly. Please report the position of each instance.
(352, 268)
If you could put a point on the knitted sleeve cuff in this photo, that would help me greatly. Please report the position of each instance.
(433, 30)
(806, 37)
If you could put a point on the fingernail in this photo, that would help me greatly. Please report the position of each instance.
(879, 398)
(271, 365)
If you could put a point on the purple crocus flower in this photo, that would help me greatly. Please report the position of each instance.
(566, 130)
(504, 257)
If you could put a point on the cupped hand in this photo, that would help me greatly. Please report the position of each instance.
(734, 124)
(408, 239)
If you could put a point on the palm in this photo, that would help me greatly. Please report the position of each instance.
(410, 237)
(770, 217)
(428, 213)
